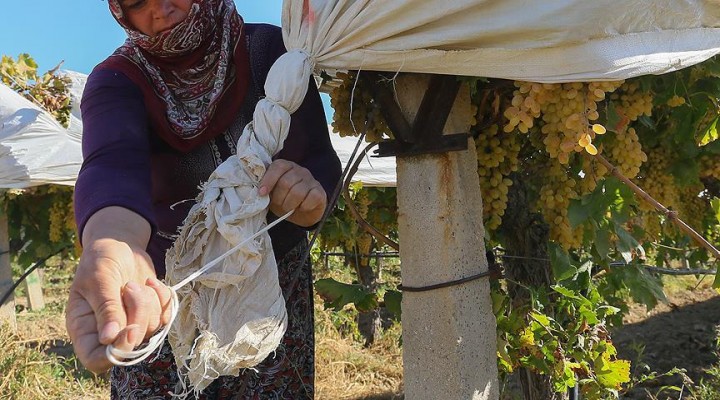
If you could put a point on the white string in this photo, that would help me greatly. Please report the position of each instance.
(127, 358)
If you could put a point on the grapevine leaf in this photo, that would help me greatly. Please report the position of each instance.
(715, 204)
(560, 261)
(685, 171)
(337, 295)
(566, 292)
(393, 299)
(542, 319)
(644, 288)
(711, 134)
(577, 213)
(627, 245)
(602, 243)
(612, 373)
(615, 121)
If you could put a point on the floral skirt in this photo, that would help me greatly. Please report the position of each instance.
(286, 374)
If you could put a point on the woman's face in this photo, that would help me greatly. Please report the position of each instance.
(152, 17)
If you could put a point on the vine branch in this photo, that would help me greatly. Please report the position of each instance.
(353, 209)
(671, 215)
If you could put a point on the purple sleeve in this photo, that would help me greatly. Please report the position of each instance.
(116, 149)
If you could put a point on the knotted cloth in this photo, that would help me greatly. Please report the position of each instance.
(234, 316)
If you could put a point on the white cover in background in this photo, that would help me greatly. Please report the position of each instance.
(34, 148)
(533, 40)
(372, 171)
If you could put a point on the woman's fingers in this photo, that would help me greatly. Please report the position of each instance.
(275, 171)
(164, 296)
(142, 306)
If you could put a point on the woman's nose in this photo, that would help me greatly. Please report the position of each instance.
(161, 8)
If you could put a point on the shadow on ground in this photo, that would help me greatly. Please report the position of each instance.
(682, 337)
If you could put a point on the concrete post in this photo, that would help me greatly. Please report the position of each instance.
(449, 339)
(7, 309)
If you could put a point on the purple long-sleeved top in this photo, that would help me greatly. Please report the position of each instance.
(127, 165)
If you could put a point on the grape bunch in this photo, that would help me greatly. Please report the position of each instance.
(497, 154)
(710, 166)
(632, 102)
(675, 101)
(625, 152)
(565, 111)
(558, 190)
(355, 107)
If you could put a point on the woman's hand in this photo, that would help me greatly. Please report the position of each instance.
(292, 187)
(115, 297)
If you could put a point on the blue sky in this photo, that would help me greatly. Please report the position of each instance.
(82, 32)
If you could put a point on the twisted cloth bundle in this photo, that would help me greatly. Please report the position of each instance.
(233, 316)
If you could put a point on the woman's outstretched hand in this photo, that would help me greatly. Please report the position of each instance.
(292, 187)
(115, 297)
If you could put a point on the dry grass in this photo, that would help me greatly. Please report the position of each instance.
(37, 362)
(346, 370)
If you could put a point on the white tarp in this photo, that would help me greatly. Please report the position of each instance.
(541, 41)
(372, 171)
(34, 148)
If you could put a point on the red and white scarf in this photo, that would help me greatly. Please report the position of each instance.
(194, 77)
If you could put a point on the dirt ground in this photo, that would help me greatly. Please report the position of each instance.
(681, 333)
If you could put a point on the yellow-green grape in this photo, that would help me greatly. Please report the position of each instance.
(625, 152)
(566, 110)
(592, 173)
(351, 119)
(651, 223)
(70, 217)
(710, 166)
(555, 197)
(497, 158)
(57, 222)
(656, 181)
(632, 102)
(692, 207)
(675, 101)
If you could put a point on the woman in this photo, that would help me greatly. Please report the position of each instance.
(159, 115)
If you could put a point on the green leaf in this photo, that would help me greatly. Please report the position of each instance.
(629, 248)
(560, 261)
(644, 288)
(715, 205)
(393, 301)
(602, 243)
(685, 171)
(337, 295)
(542, 319)
(566, 292)
(612, 373)
(711, 134)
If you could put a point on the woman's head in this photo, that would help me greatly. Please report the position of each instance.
(152, 17)
(168, 28)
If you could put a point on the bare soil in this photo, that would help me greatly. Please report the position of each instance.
(681, 333)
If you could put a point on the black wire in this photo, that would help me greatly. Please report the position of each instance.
(326, 215)
(28, 272)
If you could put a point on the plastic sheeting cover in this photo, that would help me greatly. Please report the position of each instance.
(34, 148)
(540, 41)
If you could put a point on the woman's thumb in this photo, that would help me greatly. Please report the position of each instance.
(109, 313)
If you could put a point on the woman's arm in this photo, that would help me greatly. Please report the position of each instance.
(114, 297)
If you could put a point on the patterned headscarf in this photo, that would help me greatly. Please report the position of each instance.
(193, 77)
